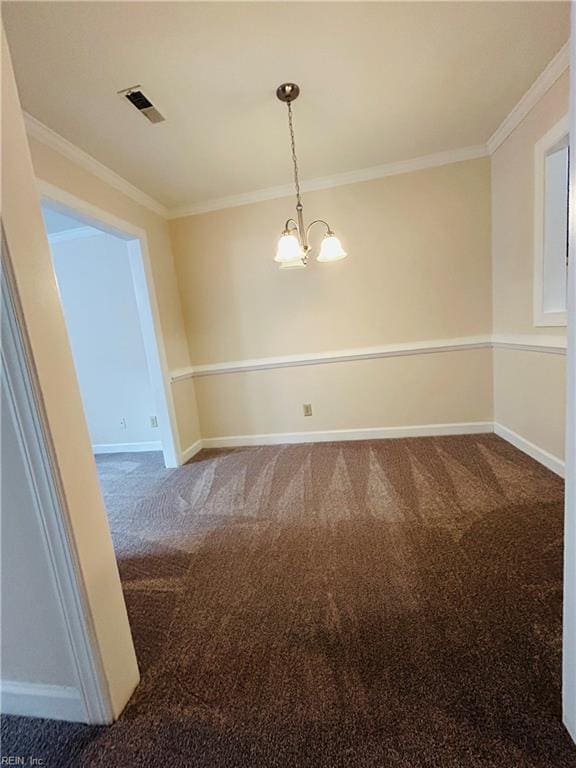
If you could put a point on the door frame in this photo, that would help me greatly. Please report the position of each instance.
(146, 301)
(91, 702)
(569, 632)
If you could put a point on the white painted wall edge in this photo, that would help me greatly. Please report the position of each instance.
(56, 702)
(546, 344)
(544, 457)
(381, 433)
(127, 447)
(569, 618)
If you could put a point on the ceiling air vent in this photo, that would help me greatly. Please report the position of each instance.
(142, 104)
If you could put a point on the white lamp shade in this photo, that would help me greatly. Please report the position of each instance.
(288, 250)
(331, 249)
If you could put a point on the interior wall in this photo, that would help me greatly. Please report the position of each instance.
(52, 167)
(83, 515)
(418, 269)
(97, 291)
(529, 387)
(411, 391)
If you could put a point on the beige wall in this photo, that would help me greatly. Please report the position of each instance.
(419, 269)
(442, 388)
(56, 169)
(528, 386)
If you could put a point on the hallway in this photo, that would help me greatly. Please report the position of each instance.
(375, 603)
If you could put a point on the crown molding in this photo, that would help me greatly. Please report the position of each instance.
(337, 180)
(79, 233)
(50, 138)
(539, 87)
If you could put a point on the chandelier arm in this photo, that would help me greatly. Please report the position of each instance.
(288, 228)
(319, 221)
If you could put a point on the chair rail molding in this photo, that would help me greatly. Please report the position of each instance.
(527, 343)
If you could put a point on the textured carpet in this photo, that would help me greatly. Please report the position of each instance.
(385, 603)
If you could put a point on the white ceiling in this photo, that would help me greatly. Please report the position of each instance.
(380, 82)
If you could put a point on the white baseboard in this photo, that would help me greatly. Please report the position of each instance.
(57, 702)
(155, 445)
(191, 451)
(380, 433)
(549, 460)
(370, 433)
(569, 723)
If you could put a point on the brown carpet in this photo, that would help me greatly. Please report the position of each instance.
(389, 603)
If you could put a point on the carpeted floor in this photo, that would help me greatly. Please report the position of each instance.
(391, 603)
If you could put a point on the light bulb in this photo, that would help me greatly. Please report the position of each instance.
(331, 249)
(288, 249)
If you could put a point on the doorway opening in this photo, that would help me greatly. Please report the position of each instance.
(111, 317)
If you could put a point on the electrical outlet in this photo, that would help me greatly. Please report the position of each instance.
(123, 424)
(307, 407)
(154, 422)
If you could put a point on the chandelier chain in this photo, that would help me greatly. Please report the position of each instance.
(294, 158)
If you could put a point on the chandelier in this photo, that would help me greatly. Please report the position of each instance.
(293, 247)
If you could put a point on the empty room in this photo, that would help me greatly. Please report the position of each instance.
(288, 450)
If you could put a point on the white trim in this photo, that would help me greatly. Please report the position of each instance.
(552, 345)
(20, 383)
(541, 149)
(146, 301)
(544, 457)
(50, 138)
(154, 350)
(383, 433)
(337, 356)
(539, 87)
(191, 451)
(56, 702)
(127, 447)
(79, 233)
(337, 180)
(339, 435)
(545, 344)
(569, 623)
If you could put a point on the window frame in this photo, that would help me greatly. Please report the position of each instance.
(545, 146)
